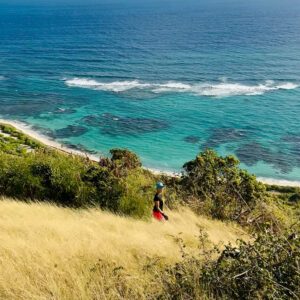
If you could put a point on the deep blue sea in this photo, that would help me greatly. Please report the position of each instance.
(165, 81)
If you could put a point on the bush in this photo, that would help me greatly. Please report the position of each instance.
(137, 199)
(125, 159)
(16, 179)
(42, 176)
(218, 184)
(281, 189)
(295, 198)
(50, 175)
(108, 189)
(268, 268)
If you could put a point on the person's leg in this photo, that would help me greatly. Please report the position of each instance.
(158, 216)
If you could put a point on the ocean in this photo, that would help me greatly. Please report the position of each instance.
(163, 80)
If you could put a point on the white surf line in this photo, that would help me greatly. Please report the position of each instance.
(25, 128)
(219, 89)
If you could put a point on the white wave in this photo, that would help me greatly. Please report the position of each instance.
(116, 86)
(171, 87)
(222, 89)
(229, 89)
(2, 77)
(288, 86)
(236, 89)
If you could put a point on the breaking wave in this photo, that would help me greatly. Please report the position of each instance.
(116, 86)
(222, 89)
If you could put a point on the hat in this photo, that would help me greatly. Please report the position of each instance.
(160, 185)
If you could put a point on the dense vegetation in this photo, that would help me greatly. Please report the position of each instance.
(265, 268)
(118, 184)
(227, 191)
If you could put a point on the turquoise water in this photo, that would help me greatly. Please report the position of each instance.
(163, 81)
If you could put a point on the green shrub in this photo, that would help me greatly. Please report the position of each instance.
(175, 194)
(125, 159)
(295, 198)
(268, 268)
(41, 176)
(107, 187)
(282, 189)
(137, 200)
(49, 175)
(225, 190)
(273, 215)
(16, 179)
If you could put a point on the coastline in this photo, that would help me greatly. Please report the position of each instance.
(26, 129)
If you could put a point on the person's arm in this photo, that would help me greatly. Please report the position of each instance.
(158, 208)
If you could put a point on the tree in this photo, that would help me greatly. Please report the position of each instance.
(227, 191)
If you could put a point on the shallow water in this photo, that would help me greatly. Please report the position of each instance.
(166, 82)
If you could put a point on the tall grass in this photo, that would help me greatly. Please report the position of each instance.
(48, 252)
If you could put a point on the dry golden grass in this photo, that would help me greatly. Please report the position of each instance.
(47, 252)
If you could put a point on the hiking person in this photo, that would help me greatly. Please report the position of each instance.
(158, 213)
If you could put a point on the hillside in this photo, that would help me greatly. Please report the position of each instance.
(91, 235)
(47, 252)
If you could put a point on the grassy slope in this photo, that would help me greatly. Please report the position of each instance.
(47, 252)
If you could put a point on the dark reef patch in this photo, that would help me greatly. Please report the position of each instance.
(69, 131)
(27, 104)
(252, 153)
(221, 136)
(113, 125)
(42, 130)
(191, 139)
(282, 162)
(92, 120)
(33, 104)
(24, 108)
(293, 144)
(291, 138)
(80, 147)
(296, 151)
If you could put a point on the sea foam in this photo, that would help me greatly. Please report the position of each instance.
(116, 86)
(221, 89)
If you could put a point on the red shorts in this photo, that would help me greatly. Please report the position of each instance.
(158, 216)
